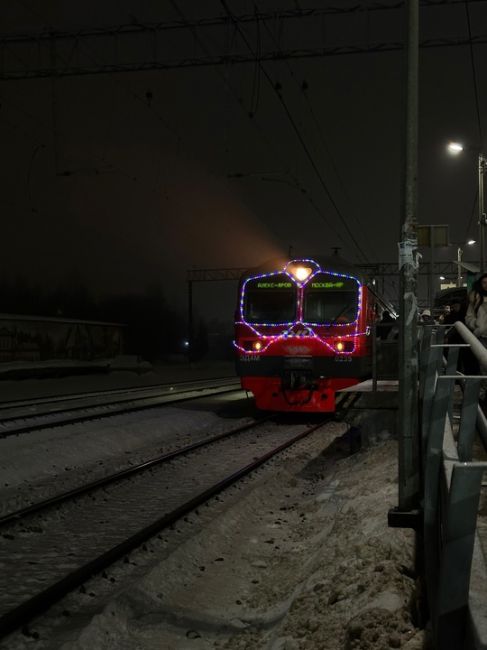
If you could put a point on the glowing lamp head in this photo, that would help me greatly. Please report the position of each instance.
(454, 148)
(301, 273)
(471, 242)
(340, 346)
(257, 345)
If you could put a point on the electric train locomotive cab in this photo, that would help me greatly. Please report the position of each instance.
(302, 333)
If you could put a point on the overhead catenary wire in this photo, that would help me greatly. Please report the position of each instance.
(236, 59)
(301, 140)
(140, 27)
(303, 91)
(474, 74)
(262, 133)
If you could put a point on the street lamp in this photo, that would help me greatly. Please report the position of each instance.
(455, 148)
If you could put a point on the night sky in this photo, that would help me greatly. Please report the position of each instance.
(123, 179)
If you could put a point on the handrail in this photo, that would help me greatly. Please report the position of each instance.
(452, 484)
(475, 345)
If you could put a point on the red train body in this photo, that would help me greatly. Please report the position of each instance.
(302, 332)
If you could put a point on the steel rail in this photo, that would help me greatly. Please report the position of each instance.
(124, 473)
(32, 401)
(99, 410)
(24, 612)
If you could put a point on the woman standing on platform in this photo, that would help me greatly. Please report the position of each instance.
(476, 319)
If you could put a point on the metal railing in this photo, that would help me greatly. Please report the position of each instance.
(452, 483)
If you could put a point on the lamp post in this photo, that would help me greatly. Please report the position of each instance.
(470, 242)
(455, 148)
(459, 264)
(482, 162)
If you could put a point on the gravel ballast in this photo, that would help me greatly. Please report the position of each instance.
(302, 560)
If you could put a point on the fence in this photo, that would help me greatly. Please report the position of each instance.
(452, 481)
(34, 338)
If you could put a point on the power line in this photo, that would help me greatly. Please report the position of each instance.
(137, 27)
(262, 133)
(303, 92)
(474, 74)
(235, 59)
(300, 138)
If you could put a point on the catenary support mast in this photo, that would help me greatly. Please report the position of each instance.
(408, 262)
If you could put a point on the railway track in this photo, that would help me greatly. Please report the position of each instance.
(49, 549)
(29, 415)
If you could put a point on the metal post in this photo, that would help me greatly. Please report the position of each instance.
(459, 262)
(466, 432)
(374, 357)
(432, 269)
(458, 539)
(482, 163)
(190, 319)
(408, 460)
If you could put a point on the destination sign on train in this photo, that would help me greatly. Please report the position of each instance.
(327, 285)
(274, 285)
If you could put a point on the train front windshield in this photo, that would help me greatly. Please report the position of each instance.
(270, 299)
(330, 299)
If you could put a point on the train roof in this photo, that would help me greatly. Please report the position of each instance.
(332, 263)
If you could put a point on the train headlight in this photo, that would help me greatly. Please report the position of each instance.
(301, 273)
(344, 346)
(257, 345)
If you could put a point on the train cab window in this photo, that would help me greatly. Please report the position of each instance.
(270, 299)
(330, 299)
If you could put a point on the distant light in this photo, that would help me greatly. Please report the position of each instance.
(442, 277)
(455, 148)
(301, 273)
(186, 344)
(471, 242)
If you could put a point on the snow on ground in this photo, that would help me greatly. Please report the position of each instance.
(39, 464)
(299, 557)
(303, 560)
(159, 374)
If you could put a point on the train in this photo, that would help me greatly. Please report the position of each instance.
(303, 332)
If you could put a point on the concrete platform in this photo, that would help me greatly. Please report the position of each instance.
(367, 386)
(373, 412)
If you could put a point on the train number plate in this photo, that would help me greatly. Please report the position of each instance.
(250, 357)
(343, 359)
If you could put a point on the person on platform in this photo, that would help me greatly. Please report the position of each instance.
(467, 362)
(426, 318)
(476, 316)
(385, 325)
(476, 320)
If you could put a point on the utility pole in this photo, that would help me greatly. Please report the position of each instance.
(482, 216)
(408, 459)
